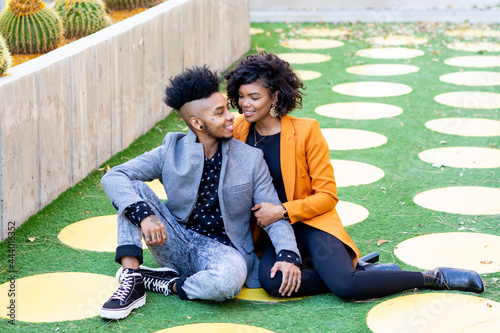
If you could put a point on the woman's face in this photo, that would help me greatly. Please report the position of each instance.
(255, 101)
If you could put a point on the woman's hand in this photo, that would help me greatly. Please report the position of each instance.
(153, 230)
(266, 213)
(291, 277)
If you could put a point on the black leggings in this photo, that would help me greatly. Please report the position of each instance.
(327, 267)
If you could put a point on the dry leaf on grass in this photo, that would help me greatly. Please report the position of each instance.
(381, 241)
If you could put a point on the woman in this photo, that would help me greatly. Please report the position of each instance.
(265, 89)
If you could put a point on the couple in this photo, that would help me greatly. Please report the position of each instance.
(279, 170)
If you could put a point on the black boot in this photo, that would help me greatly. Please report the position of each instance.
(444, 278)
(364, 266)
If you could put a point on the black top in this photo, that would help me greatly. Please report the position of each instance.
(270, 146)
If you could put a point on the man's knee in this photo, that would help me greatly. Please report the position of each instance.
(229, 279)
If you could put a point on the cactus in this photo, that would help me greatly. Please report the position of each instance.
(5, 60)
(29, 26)
(130, 4)
(82, 17)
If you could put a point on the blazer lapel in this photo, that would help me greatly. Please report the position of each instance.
(287, 156)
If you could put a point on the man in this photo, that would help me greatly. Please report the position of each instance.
(200, 237)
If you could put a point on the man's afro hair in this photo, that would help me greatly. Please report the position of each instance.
(192, 84)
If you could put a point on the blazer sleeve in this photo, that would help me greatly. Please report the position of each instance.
(117, 182)
(322, 196)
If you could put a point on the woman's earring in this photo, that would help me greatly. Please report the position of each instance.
(272, 112)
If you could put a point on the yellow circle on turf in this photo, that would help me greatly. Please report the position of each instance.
(475, 46)
(480, 78)
(260, 295)
(304, 58)
(351, 213)
(55, 297)
(434, 312)
(93, 234)
(346, 139)
(396, 40)
(465, 200)
(307, 75)
(462, 157)
(473, 33)
(390, 53)
(372, 89)
(158, 187)
(323, 32)
(382, 69)
(359, 110)
(215, 328)
(351, 173)
(256, 31)
(470, 99)
(465, 126)
(312, 44)
(466, 250)
(478, 61)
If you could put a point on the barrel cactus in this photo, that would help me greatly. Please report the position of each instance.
(29, 26)
(4, 56)
(82, 17)
(130, 4)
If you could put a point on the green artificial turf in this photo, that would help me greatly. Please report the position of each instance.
(393, 214)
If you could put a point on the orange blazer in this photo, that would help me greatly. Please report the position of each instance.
(310, 186)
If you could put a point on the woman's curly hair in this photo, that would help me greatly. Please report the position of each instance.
(270, 72)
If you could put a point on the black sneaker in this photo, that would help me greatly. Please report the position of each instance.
(160, 279)
(129, 296)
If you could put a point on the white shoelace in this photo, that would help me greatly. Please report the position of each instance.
(159, 285)
(126, 280)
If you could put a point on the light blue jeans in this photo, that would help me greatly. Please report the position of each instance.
(209, 270)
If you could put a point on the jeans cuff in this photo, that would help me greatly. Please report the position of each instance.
(128, 251)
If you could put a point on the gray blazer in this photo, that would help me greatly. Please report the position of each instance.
(178, 163)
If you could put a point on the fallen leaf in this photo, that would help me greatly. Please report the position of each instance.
(381, 241)
(486, 262)
(31, 239)
(188, 317)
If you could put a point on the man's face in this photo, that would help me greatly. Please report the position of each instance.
(213, 112)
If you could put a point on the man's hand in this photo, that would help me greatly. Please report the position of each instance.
(153, 230)
(291, 277)
(266, 213)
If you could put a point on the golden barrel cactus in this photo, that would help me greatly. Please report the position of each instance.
(29, 26)
(130, 4)
(82, 17)
(5, 59)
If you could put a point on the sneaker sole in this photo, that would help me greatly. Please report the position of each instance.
(122, 313)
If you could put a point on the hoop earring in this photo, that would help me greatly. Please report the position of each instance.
(272, 112)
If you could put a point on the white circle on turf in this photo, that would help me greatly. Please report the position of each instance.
(478, 61)
(351, 213)
(359, 110)
(312, 44)
(382, 69)
(215, 328)
(470, 99)
(473, 33)
(307, 75)
(434, 312)
(62, 296)
(390, 53)
(475, 46)
(467, 250)
(323, 32)
(479, 78)
(372, 89)
(93, 234)
(462, 157)
(256, 31)
(304, 58)
(465, 126)
(396, 40)
(346, 139)
(465, 200)
(351, 173)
